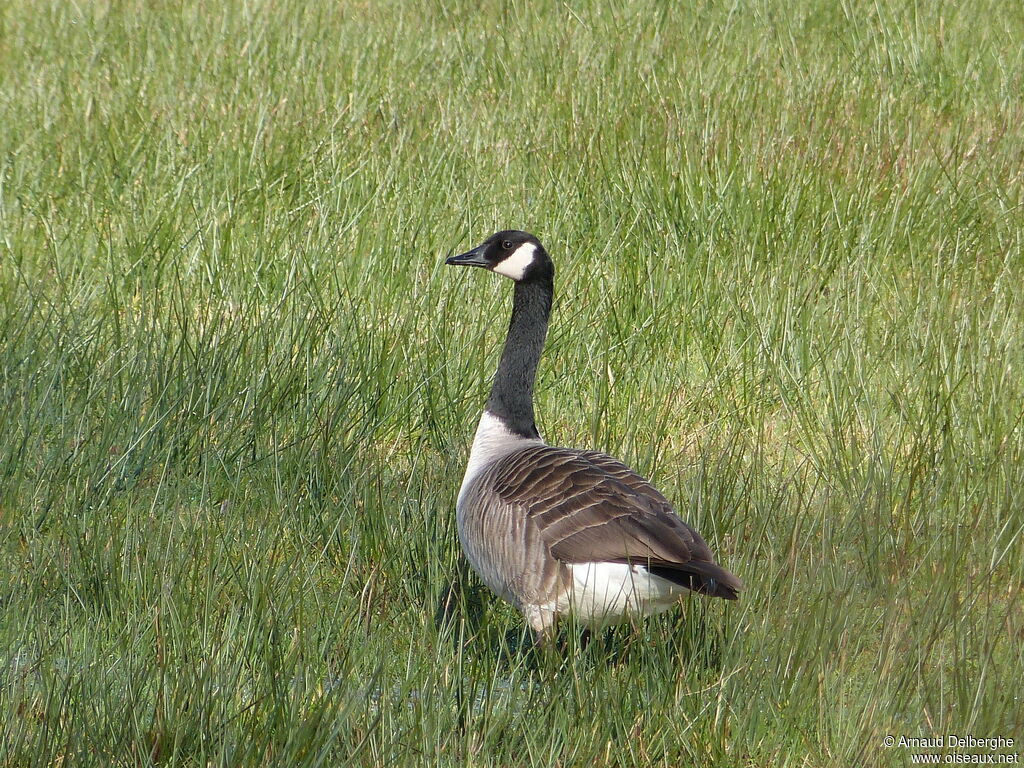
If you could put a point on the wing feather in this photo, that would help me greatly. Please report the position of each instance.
(589, 507)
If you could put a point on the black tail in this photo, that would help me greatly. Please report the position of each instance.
(701, 576)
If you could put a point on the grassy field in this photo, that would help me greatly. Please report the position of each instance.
(237, 387)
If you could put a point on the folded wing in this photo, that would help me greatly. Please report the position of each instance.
(589, 507)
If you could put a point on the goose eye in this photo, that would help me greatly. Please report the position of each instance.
(506, 244)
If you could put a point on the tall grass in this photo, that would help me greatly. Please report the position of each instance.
(237, 388)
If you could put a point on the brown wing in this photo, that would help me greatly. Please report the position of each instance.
(590, 507)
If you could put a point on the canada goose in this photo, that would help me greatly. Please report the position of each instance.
(556, 530)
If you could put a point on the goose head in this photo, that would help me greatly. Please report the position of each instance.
(512, 253)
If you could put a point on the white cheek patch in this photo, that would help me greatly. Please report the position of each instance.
(517, 263)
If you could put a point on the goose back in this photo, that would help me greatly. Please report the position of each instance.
(566, 507)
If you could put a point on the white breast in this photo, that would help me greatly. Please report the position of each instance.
(493, 440)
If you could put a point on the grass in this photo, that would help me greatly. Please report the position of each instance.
(237, 387)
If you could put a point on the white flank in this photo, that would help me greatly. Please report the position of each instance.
(493, 440)
(517, 263)
(605, 593)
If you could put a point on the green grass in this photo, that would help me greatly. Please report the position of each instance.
(237, 387)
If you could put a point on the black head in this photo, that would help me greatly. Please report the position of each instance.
(515, 254)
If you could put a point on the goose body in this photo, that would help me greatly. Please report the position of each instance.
(559, 530)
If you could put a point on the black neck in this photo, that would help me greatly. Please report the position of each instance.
(512, 394)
